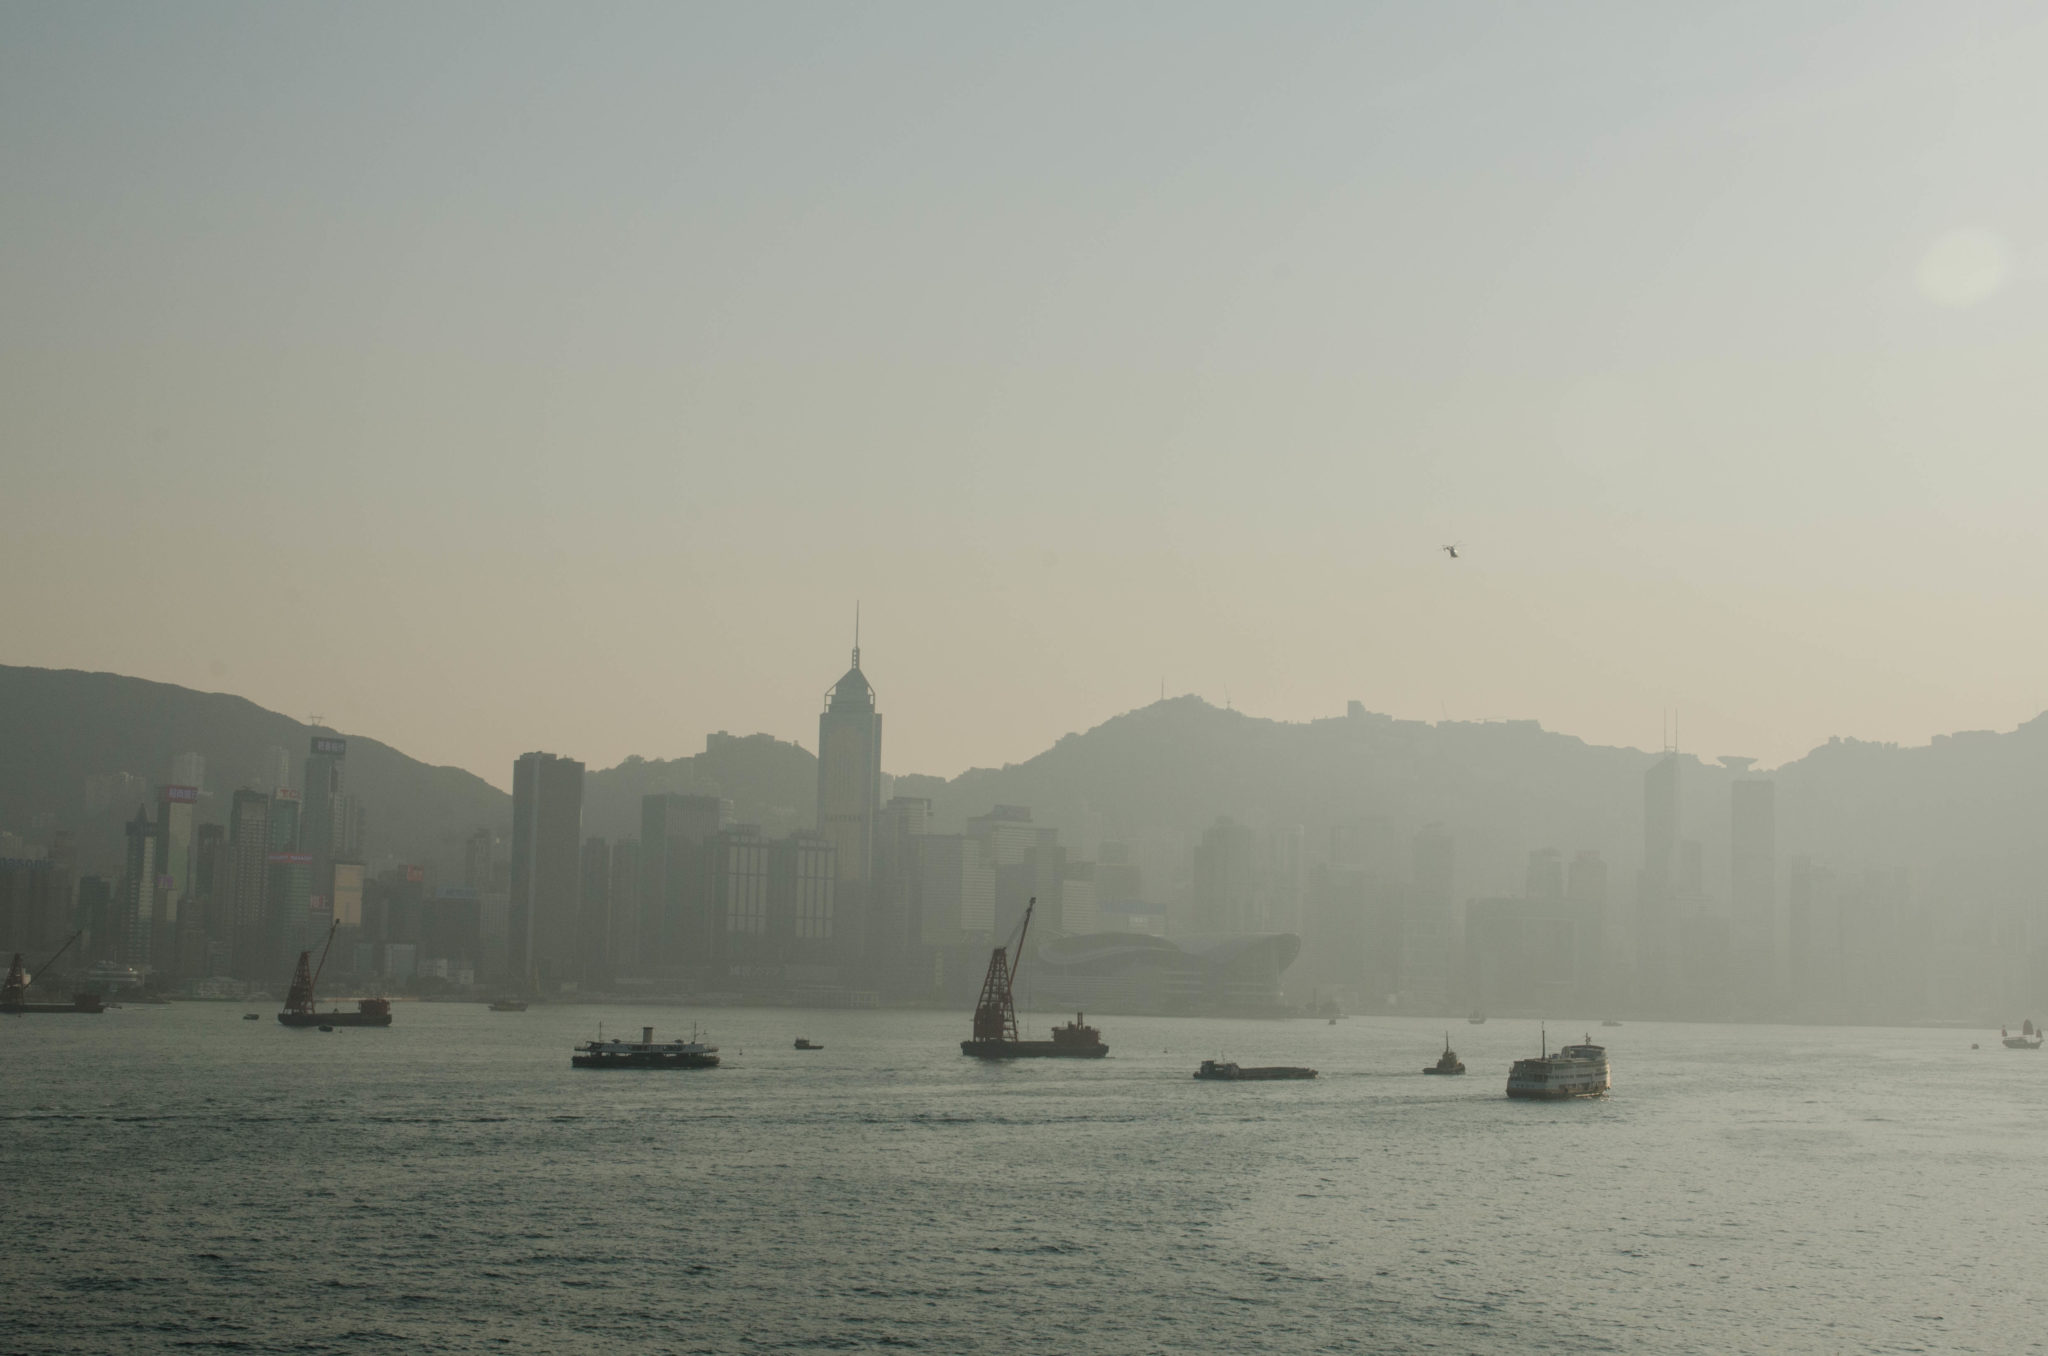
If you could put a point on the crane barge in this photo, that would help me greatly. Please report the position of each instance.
(298, 1003)
(995, 1016)
(14, 992)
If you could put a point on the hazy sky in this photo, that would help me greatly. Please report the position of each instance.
(495, 377)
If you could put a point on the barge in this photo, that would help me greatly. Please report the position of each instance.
(298, 1003)
(1232, 1073)
(995, 1016)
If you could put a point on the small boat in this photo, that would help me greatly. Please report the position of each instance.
(2028, 1039)
(803, 1044)
(645, 1053)
(1477, 1019)
(1610, 1022)
(508, 1005)
(252, 1017)
(1448, 1062)
(325, 1027)
(1231, 1073)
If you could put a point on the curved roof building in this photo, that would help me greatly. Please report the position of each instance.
(1133, 972)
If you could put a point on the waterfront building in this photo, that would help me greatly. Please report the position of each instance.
(248, 847)
(678, 923)
(594, 928)
(1753, 888)
(174, 810)
(547, 840)
(850, 784)
(138, 893)
(623, 885)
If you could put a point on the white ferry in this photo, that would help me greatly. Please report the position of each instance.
(645, 1053)
(1575, 1071)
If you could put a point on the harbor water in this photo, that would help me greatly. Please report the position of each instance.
(179, 1179)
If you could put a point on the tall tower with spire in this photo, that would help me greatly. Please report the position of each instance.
(850, 790)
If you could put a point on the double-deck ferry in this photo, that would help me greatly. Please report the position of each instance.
(1575, 1071)
(645, 1053)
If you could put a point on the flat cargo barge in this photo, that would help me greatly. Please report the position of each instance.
(1232, 1073)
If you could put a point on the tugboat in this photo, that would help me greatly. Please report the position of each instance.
(298, 1004)
(1231, 1073)
(1448, 1062)
(14, 992)
(1575, 1071)
(995, 1016)
(645, 1053)
(2028, 1039)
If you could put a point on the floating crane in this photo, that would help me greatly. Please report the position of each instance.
(298, 1003)
(995, 1015)
(14, 992)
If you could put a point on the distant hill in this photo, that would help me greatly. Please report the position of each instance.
(769, 781)
(60, 726)
(1156, 777)
(1961, 815)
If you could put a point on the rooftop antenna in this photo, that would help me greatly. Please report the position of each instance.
(856, 633)
(317, 722)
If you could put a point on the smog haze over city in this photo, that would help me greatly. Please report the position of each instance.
(781, 677)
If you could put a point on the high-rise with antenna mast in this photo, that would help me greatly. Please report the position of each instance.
(850, 790)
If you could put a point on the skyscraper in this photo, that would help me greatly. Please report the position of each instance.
(547, 848)
(248, 847)
(677, 925)
(1657, 887)
(138, 891)
(174, 807)
(594, 924)
(850, 788)
(324, 810)
(1753, 885)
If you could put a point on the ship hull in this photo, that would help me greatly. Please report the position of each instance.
(334, 1018)
(644, 1060)
(1266, 1075)
(1031, 1050)
(1553, 1085)
(44, 1009)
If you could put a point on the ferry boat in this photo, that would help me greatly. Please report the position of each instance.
(645, 1053)
(1448, 1062)
(1231, 1073)
(1575, 1071)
